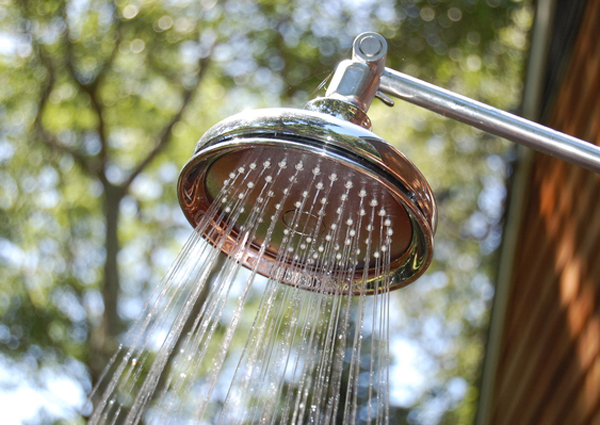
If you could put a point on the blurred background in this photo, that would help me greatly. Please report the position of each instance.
(101, 104)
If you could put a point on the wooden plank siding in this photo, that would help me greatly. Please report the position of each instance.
(549, 367)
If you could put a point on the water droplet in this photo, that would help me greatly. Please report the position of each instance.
(344, 197)
(339, 210)
(269, 179)
(369, 227)
(302, 246)
(282, 164)
(260, 220)
(362, 212)
(290, 249)
(315, 255)
(277, 206)
(333, 177)
(381, 212)
(357, 251)
(286, 191)
(333, 226)
(309, 240)
(182, 375)
(373, 203)
(133, 362)
(241, 170)
(338, 256)
(376, 254)
(259, 200)
(328, 238)
(285, 239)
(292, 179)
(321, 248)
(297, 204)
(250, 185)
(242, 210)
(296, 257)
(384, 248)
(228, 209)
(349, 222)
(231, 175)
(320, 185)
(349, 184)
(240, 196)
(225, 182)
(336, 247)
(389, 232)
(323, 201)
(300, 166)
(362, 193)
(267, 164)
(223, 200)
(387, 222)
(270, 193)
(305, 194)
(286, 231)
(348, 241)
(352, 232)
(252, 166)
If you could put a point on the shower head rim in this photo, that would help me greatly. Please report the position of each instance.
(370, 152)
(421, 237)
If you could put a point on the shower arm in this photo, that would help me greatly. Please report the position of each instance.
(491, 120)
(369, 52)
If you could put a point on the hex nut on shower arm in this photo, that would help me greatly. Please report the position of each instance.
(358, 81)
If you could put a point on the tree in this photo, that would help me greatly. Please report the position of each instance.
(102, 101)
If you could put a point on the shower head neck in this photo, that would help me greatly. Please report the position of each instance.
(356, 81)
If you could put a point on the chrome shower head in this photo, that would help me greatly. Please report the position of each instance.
(366, 199)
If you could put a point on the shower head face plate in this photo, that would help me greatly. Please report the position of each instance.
(316, 213)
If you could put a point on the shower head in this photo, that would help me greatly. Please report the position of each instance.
(327, 199)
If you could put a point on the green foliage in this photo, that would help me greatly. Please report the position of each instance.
(101, 103)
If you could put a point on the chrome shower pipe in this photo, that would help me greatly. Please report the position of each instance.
(492, 120)
(359, 80)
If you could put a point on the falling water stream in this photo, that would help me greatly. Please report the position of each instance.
(317, 349)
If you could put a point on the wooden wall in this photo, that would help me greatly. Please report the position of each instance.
(549, 367)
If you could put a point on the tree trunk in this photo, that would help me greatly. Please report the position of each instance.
(104, 338)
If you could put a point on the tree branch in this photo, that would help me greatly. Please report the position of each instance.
(91, 88)
(45, 136)
(165, 136)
